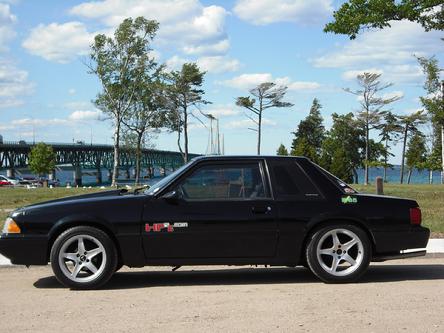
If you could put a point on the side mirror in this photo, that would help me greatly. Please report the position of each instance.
(172, 197)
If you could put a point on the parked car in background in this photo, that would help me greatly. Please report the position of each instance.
(5, 183)
(12, 181)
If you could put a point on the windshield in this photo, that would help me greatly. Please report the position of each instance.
(164, 181)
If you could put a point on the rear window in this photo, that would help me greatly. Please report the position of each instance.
(291, 182)
(338, 182)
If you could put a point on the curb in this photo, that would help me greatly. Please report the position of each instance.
(435, 248)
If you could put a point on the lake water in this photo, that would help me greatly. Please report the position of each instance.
(393, 175)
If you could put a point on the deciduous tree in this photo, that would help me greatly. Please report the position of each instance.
(390, 131)
(265, 96)
(416, 154)
(355, 16)
(119, 62)
(410, 124)
(434, 104)
(184, 96)
(42, 159)
(146, 116)
(372, 108)
(341, 148)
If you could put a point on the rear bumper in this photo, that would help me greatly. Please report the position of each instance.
(389, 242)
(25, 250)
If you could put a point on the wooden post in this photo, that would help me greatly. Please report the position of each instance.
(379, 186)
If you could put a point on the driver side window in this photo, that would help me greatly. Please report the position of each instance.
(223, 182)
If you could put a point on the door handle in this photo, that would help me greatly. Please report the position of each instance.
(261, 210)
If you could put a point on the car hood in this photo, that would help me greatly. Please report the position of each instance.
(81, 197)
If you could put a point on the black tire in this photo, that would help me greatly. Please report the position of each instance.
(318, 256)
(106, 259)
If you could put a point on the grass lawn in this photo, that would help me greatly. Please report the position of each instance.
(18, 197)
(429, 197)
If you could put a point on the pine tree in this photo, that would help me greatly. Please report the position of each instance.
(310, 134)
(416, 154)
(282, 151)
(342, 147)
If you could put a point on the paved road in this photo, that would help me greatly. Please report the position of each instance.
(398, 296)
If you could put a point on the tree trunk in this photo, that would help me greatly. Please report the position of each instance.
(259, 132)
(403, 153)
(138, 157)
(116, 152)
(385, 161)
(430, 176)
(442, 153)
(355, 174)
(185, 134)
(366, 156)
(409, 176)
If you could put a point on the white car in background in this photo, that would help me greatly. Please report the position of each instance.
(13, 181)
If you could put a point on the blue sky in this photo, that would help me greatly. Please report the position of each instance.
(45, 90)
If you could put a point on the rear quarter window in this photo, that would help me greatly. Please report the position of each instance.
(291, 182)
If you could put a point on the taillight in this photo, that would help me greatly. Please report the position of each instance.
(415, 216)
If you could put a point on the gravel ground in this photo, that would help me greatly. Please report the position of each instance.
(397, 296)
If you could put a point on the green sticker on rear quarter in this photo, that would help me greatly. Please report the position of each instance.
(349, 200)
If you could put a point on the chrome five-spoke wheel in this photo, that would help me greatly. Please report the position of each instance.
(338, 253)
(83, 258)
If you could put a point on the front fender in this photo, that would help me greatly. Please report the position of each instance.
(79, 219)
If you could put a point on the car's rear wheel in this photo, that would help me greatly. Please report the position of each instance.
(83, 258)
(338, 253)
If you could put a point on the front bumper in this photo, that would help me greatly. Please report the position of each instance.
(386, 242)
(25, 250)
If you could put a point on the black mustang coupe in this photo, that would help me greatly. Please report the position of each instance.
(279, 211)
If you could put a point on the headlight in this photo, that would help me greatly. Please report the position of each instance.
(11, 227)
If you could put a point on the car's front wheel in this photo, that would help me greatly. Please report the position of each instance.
(83, 258)
(338, 253)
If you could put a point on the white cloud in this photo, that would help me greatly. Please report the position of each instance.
(78, 105)
(7, 19)
(72, 120)
(247, 123)
(175, 62)
(86, 115)
(10, 103)
(220, 111)
(113, 12)
(390, 50)
(14, 84)
(187, 24)
(59, 42)
(249, 81)
(218, 64)
(208, 49)
(37, 122)
(71, 91)
(261, 12)
(351, 75)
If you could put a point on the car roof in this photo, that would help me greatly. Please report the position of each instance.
(243, 157)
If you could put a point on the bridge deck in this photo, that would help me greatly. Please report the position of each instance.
(15, 155)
